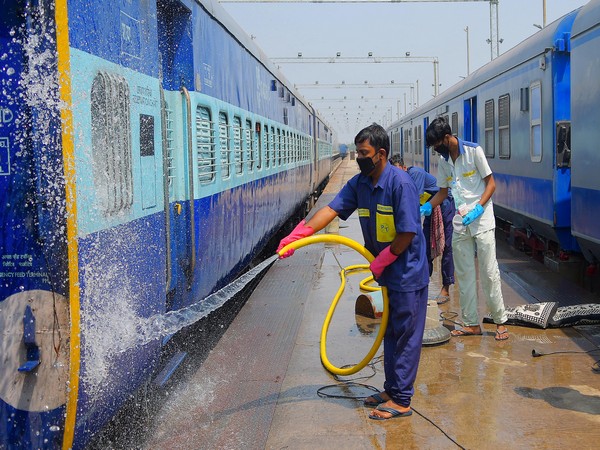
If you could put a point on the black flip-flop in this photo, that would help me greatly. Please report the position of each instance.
(392, 411)
(441, 299)
(378, 400)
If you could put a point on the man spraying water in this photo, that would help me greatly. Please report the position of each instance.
(388, 208)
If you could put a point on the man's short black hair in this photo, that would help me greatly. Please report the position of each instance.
(397, 159)
(376, 135)
(436, 131)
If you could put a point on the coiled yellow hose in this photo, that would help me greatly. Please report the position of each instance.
(331, 238)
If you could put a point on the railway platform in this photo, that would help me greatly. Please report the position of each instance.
(263, 385)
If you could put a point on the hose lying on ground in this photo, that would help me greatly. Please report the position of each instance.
(330, 238)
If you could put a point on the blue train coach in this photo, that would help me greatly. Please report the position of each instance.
(533, 110)
(585, 132)
(148, 151)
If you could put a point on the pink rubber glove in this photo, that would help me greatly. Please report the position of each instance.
(384, 259)
(301, 231)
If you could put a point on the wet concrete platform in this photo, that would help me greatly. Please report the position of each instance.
(260, 386)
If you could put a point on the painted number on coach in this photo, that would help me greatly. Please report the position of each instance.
(4, 156)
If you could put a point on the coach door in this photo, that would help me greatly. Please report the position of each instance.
(426, 154)
(176, 72)
(470, 120)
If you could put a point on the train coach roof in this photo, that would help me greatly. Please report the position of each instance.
(214, 8)
(528, 49)
(588, 17)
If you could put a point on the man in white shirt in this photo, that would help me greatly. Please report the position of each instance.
(463, 167)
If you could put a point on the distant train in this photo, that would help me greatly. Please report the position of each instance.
(534, 110)
(148, 151)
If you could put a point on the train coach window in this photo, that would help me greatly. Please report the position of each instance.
(395, 142)
(525, 99)
(205, 145)
(238, 150)
(258, 146)
(455, 123)
(268, 147)
(224, 145)
(170, 144)
(535, 122)
(274, 146)
(270, 142)
(278, 145)
(489, 148)
(306, 148)
(111, 143)
(416, 140)
(504, 126)
(146, 135)
(249, 144)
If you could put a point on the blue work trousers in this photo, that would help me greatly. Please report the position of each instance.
(402, 343)
(448, 213)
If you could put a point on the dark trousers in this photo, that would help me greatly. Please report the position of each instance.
(402, 343)
(448, 213)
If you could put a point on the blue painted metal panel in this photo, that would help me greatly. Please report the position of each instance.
(561, 82)
(531, 197)
(585, 133)
(585, 222)
(123, 32)
(175, 44)
(122, 279)
(32, 248)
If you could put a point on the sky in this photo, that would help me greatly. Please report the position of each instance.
(429, 30)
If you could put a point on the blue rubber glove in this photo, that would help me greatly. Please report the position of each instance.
(426, 209)
(473, 214)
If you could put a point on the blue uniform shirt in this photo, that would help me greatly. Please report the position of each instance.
(424, 180)
(389, 207)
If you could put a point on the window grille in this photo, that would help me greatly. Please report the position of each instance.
(535, 115)
(170, 147)
(258, 141)
(489, 149)
(504, 126)
(455, 123)
(111, 143)
(224, 145)
(238, 149)
(205, 145)
(249, 143)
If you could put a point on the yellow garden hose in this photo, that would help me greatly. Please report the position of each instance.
(331, 238)
(364, 284)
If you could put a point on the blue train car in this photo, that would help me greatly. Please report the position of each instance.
(148, 151)
(343, 149)
(518, 107)
(585, 132)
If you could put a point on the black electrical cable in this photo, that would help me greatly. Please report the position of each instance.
(350, 383)
(321, 391)
(435, 425)
(448, 316)
(536, 354)
(595, 366)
